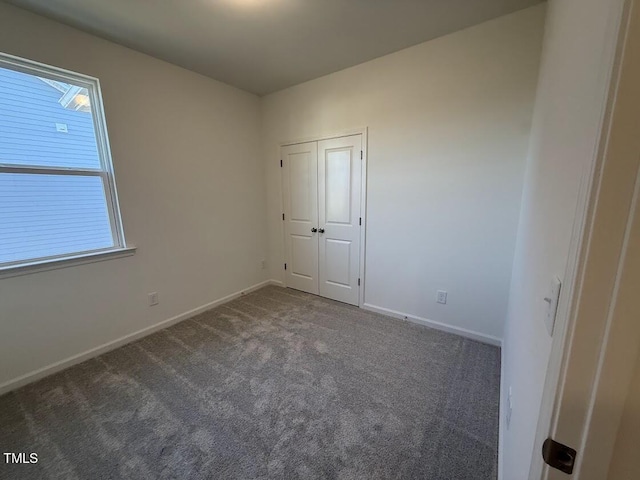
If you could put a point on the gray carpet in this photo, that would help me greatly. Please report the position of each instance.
(276, 384)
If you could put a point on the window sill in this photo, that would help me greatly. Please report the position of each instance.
(54, 264)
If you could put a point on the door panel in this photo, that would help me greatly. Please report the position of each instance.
(338, 273)
(300, 190)
(302, 263)
(339, 187)
(338, 191)
(300, 186)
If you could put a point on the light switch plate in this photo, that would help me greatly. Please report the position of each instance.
(552, 304)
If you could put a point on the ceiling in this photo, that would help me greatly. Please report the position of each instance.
(266, 45)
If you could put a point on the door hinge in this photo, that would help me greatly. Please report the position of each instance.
(283, 216)
(360, 221)
(360, 154)
(280, 163)
(358, 282)
(285, 266)
(558, 456)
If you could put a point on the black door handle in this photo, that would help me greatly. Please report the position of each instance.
(314, 230)
(321, 230)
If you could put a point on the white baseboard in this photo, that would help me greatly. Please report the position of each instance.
(501, 412)
(481, 337)
(112, 345)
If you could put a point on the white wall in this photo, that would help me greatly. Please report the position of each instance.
(567, 120)
(191, 185)
(449, 123)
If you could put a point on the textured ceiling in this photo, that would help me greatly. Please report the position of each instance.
(266, 45)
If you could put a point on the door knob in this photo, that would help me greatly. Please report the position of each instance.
(314, 230)
(321, 230)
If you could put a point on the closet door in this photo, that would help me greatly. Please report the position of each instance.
(300, 190)
(339, 187)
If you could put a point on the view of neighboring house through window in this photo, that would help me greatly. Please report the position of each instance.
(57, 192)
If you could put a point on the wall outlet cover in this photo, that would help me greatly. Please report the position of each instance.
(442, 297)
(153, 299)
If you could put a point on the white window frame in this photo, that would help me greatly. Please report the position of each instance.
(106, 172)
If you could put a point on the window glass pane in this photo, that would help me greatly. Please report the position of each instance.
(50, 215)
(45, 123)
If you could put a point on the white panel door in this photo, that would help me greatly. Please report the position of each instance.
(339, 187)
(300, 190)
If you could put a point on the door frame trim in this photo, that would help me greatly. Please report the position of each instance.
(363, 195)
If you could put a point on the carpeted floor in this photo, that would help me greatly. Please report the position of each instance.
(276, 384)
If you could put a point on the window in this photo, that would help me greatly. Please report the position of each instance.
(57, 191)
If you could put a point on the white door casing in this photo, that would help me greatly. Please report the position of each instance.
(339, 183)
(300, 192)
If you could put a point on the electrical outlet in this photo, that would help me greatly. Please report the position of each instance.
(442, 297)
(263, 264)
(153, 299)
(509, 407)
